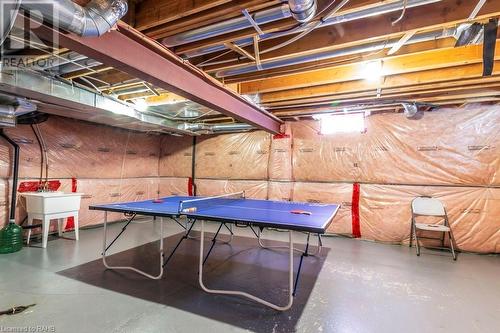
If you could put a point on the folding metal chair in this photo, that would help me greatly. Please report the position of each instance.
(428, 206)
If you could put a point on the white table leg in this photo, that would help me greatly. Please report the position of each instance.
(45, 230)
(244, 294)
(104, 245)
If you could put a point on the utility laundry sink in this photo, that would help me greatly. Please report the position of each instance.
(47, 206)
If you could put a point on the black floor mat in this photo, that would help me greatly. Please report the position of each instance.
(241, 265)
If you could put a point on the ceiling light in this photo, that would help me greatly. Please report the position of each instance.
(372, 71)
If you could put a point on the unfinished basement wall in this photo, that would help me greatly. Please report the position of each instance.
(106, 164)
(452, 154)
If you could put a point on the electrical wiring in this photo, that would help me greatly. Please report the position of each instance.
(403, 12)
(41, 152)
(46, 157)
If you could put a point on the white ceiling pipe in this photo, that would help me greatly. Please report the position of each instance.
(215, 128)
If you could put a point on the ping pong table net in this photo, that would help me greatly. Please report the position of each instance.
(199, 204)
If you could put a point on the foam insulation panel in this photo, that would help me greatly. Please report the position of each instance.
(280, 191)
(173, 186)
(233, 156)
(329, 193)
(83, 150)
(474, 214)
(253, 188)
(30, 157)
(101, 191)
(176, 156)
(447, 146)
(280, 159)
(4, 202)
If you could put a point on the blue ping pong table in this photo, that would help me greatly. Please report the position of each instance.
(229, 209)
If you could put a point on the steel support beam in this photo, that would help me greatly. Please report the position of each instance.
(127, 50)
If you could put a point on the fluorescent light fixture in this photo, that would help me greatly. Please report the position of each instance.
(342, 123)
(372, 71)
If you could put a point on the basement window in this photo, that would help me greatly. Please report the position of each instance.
(342, 123)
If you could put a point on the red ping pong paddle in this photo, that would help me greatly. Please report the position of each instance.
(298, 211)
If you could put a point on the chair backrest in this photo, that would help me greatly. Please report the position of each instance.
(427, 206)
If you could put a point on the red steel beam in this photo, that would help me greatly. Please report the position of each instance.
(129, 51)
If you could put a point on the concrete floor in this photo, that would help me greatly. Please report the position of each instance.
(362, 287)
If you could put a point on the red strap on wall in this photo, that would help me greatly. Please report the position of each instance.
(356, 230)
(280, 136)
(190, 186)
(70, 224)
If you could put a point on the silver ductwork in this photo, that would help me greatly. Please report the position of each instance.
(12, 107)
(354, 14)
(369, 47)
(201, 128)
(8, 13)
(95, 19)
(7, 110)
(303, 10)
(71, 100)
(217, 29)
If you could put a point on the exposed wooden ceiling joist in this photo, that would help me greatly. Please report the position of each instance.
(431, 16)
(425, 18)
(440, 58)
(437, 78)
(222, 12)
(151, 13)
(337, 61)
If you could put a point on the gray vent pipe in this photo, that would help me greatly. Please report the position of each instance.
(369, 47)
(239, 23)
(95, 19)
(214, 30)
(216, 128)
(301, 10)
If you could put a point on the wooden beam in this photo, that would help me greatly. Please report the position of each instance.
(221, 13)
(467, 74)
(150, 13)
(401, 42)
(342, 60)
(86, 72)
(239, 50)
(426, 18)
(409, 93)
(443, 96)
(440, 58)
(257, 51)
(431, 16)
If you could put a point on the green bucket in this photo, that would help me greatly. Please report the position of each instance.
(11, 238)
